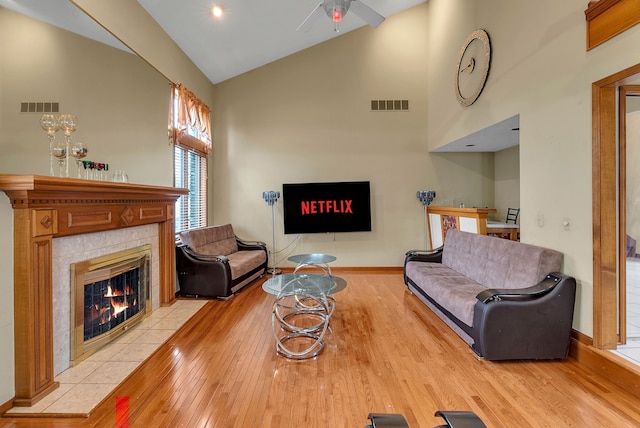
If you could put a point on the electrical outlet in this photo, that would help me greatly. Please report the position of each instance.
(540, 220)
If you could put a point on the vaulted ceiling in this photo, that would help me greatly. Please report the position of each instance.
(250, 33)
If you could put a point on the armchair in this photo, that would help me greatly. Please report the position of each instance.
(213, 262)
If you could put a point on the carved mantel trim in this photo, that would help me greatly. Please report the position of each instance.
(49, 207)
(608, 18)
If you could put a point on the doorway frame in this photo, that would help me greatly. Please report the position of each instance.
(606, 263)
(623, 92)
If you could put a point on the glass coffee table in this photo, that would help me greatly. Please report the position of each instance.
(324, 284)
(325, 280)
(303, 305)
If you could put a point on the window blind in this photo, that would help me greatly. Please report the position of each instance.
(190, 171)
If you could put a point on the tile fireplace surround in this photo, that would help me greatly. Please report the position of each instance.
(73, 249)
(47, 208)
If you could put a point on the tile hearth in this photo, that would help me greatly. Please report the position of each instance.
(84, 386)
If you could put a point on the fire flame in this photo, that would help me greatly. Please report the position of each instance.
(111, 293)
(118, 307)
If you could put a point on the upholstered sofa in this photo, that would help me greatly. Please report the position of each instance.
(213, 262)
(506, 299)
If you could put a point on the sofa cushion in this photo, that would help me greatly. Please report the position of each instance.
(242, 262)
(450, 289)
(211, 240)
(498, 263)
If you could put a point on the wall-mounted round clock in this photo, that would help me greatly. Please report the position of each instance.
(472, 68)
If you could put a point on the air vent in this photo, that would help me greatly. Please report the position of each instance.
(39, 107)
(389, 105)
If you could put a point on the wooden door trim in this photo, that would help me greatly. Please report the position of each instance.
(622, 186)
(605, 206)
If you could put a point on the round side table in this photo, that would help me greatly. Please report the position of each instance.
(310, 260)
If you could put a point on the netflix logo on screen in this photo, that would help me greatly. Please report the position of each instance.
(322, 207)
(327, 207)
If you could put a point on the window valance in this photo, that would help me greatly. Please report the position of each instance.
(189, 120)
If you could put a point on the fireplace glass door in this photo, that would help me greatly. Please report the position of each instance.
(109, 295)
(110, 302)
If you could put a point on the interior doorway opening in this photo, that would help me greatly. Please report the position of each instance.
(609, 202)
(629, 222)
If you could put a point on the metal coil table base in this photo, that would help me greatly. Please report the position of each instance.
(300, 319)
(316, 347)
(302, 304)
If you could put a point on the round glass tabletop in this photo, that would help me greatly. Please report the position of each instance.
(312, 259)
(323, 283)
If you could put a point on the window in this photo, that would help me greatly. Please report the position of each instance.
(190, 171)
(189, 124)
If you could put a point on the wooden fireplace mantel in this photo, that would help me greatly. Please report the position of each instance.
(50, 207)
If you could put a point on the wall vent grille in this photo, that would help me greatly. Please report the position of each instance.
(39, 107)
(389, 105)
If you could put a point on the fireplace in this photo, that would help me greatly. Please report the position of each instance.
(47, 208)
(109, 294)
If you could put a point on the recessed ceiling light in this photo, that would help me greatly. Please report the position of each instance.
(216, 11)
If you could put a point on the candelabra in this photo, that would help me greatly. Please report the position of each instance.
(426, 197)
(271, 197)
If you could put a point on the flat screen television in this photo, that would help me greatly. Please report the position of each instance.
(327, 207)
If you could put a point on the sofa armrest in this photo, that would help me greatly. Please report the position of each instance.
(526, 327)
(202, 275)
(541, 288)
(204, 257)
(425, 256)
(250, 245)
(429, 256)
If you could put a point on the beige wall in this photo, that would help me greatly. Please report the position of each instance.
(307, 118)
(542, 71)
(125, 19)
(121, 103)
(507, 181)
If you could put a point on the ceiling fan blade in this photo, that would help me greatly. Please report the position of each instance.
(311, 19)
(365, 13)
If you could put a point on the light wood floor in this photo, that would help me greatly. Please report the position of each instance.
(386, 352)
